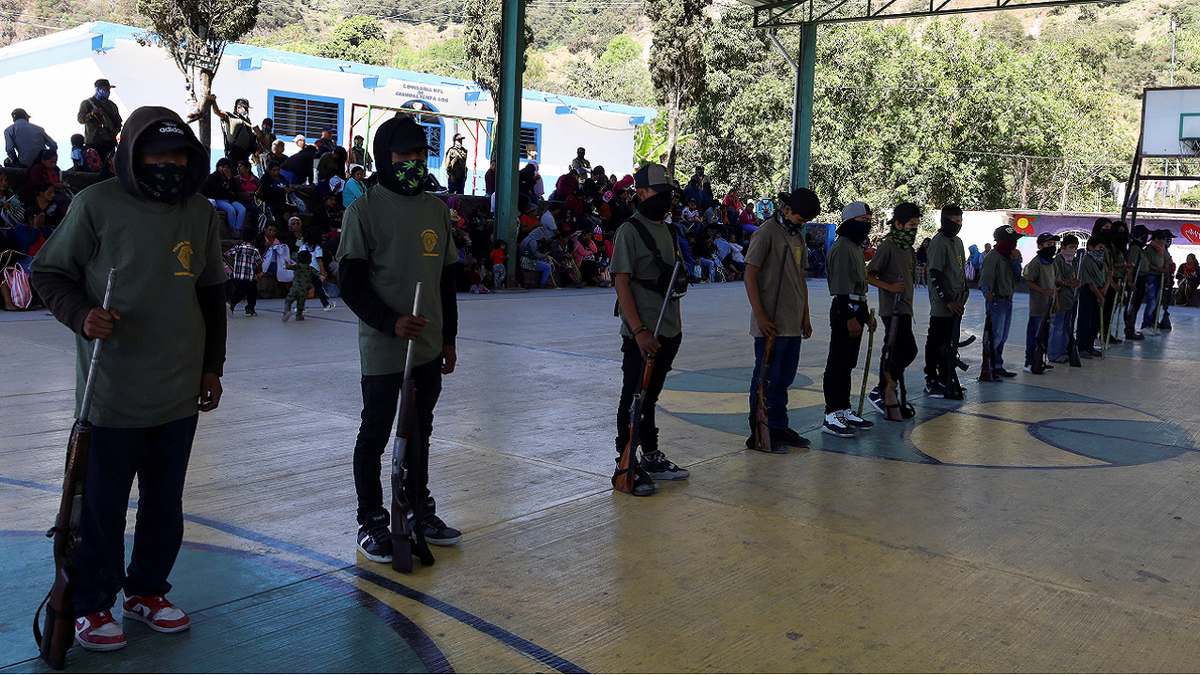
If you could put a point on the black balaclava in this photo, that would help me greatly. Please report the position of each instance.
(948, 227)
(1120, 235)
(855, 230)
(656, 207)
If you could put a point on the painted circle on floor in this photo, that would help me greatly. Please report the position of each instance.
(250, 613)
(1007, 425)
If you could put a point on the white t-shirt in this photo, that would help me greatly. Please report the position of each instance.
(316, 253)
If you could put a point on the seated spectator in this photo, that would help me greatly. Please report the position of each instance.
(328, 217)
(42, 201)
(691, 213)
(764, 209)
(356, 185)
(566, 186)
(248, 188)
(293, 234)
(586, 259)
(276, 154)
(46, 170)
(1189, 279)
(223, 191)
(275, 191)
(331, 171)
(562, 252)
(535, 251)
(266, 240)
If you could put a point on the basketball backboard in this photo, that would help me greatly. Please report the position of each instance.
(1171, 122)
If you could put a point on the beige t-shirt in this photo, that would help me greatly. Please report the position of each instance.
(780, 258)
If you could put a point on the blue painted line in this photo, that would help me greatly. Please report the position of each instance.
(493, 631)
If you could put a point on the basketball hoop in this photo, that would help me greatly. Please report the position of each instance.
(1189, 147)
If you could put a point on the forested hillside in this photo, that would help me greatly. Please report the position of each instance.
(1032, 109)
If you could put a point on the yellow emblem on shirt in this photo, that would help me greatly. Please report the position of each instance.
(430, 239)
(800, 257)
(183, 251)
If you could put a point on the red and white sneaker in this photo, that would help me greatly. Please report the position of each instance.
(157, 612)
(99, 632)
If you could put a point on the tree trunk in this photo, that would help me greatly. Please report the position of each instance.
(672, 130)
(205, 121)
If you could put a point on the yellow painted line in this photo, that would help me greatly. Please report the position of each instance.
(968, 439)
(1036, 411)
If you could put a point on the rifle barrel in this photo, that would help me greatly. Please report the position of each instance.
(85, 407)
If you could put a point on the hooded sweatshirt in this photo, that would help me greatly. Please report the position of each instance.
(168, 287)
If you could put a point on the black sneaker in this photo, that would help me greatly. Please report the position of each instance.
(790, 437)
(835, 425)
(250, 313)
(1113, 340)
(852, 419)
(875, 398)
(1085, 355)
(1003, 373)
(658, 467)
(643, 484)
(375, 545)
(1134, 336)
(440, 534)
(776, 447)
(935, 390)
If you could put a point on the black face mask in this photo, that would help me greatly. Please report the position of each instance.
(855, 231)
(165, 182)
(950, 228)
(656, 207)
(1047, 253)
(410, 176)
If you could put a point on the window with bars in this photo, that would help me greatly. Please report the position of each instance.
(530, 136)
(296, 114)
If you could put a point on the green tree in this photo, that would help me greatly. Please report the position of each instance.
(677, 65)
(358, 38)
(620, 51)
(481, 42)
(194, 33)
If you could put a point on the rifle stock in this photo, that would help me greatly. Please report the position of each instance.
(862, 392)
(988, 362)
(408, 537)
(58, 633)
(762, 429)
(1042, 342)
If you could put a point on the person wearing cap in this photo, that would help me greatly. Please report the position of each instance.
(893, 270)
(644, 253)
(997, 282)
(947, 295)
(1093, 279)
(1043, 297)
(456, 166)
(778, 294)
(325, 142)
(580, 165)
(1136, 288)
(359, 155)
(848, 317)
(1118, 252)
(164, 350)
(25, 142)
(237, 129)
(222, 189)
(100, 119)
(394, 236)
(1067, 272)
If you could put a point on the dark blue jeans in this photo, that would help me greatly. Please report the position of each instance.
(1001, 309)
(785, 358)
(158, 457)
(1031, 332)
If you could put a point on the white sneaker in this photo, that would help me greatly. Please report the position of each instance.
(329, 307)
(852, 420)
(835, 425)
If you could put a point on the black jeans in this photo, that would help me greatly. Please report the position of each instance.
(1089, 320)
(1110, 299)
(381, 399)
(941, 333)
(244, 289)
(158, 457)
(633, 366)
(843, 358)
(904, 350)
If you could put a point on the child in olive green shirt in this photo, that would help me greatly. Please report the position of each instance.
(847, 317)
(305, 273)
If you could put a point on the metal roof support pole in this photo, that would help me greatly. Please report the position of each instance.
(508, 128)
(802, 106)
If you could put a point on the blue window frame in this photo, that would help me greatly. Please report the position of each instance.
(531, 132)
(308, 114)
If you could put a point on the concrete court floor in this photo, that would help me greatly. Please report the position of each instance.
(1043, 524)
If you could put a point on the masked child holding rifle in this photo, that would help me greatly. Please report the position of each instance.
(1067, 272)
(1094, 279)
(893, 271)
(847, 319)
(393, 236)
(778, 294)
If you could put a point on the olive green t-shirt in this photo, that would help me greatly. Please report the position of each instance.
(997, 275)
(846, 268)
(947, 257)
(1091, 272)
(1137, 259)
(891, 264)
(1151, 256)
(150, 367)
(780, 258)
(404, 239)
(631, 256)
(1066, 271)
(1042, 274)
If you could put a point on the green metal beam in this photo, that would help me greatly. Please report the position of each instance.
(792, 13)
(802, 112)
(508, 127)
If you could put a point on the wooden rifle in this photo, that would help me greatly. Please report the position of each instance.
(762, 417)
(988, 362)
(408, 536)
(889, 346)
(1042, 341)
(862, 392)
(58, 633)
(1072, 343)
(626, 478)
(1112, 320)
